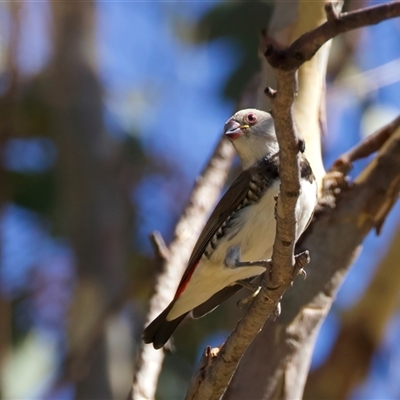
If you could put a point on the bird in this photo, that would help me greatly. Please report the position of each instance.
(239, 234)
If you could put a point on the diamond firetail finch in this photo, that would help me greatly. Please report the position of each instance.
(241, 229)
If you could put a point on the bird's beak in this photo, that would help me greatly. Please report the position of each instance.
(233, 129)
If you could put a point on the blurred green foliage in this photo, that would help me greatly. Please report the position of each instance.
(242, 22)
(33, 191)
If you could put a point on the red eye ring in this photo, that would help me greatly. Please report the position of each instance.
(251, 118)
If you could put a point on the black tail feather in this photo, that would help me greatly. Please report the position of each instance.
(160, 330)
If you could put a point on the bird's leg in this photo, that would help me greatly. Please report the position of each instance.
(232, 260)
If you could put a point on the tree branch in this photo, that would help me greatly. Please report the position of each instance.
(160, 248)
(369, 145)
(304, 48)
(362, 332)
(289, 173)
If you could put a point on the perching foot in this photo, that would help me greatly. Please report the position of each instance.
(232, 260)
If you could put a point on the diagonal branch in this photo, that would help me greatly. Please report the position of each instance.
(369, 145)
(304, 48)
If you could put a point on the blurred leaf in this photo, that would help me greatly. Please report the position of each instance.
(36, 113)
(133, 151)
(242, 22)
(33, 191)
(25, 113)
(21, 318)
(29, 367)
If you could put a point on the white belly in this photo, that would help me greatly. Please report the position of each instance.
(255, 239)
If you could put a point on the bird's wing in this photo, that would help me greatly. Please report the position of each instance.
(215, 300)
(225, 207)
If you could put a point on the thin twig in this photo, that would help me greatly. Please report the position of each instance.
(160, 248)
(365, 82)
(369, 145)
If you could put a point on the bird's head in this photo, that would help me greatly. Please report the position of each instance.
(252, 132)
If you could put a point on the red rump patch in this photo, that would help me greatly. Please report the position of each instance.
(185, 281)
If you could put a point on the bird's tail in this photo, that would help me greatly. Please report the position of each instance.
(160, 330)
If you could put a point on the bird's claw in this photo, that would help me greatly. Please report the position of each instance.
(303, 273)
(277, 311)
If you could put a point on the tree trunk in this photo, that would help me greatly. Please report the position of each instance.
(91, 200)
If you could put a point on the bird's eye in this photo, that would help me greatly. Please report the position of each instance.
(251, 118)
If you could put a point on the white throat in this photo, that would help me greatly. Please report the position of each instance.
(252, 149)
